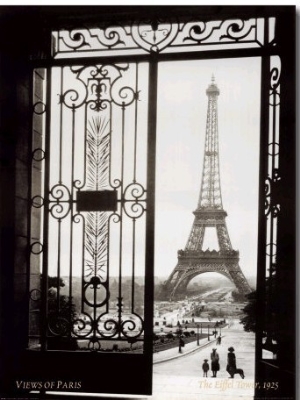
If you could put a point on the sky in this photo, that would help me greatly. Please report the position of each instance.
(181, 123)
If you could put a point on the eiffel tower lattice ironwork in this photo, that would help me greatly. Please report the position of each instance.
(193, 260)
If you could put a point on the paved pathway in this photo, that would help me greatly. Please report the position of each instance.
(180, 377)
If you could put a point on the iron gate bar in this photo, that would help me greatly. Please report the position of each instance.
(262, 228)
(121, 216)
(59, 183)
(60, 125)
(44, 294)
(150, 216)
(160, 57)
(134, 181)
(73, 110)
(30, 143)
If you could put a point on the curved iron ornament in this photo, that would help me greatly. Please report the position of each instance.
(238, 30)
(58, 325)
(272, 182)
(271, 187)
(134, 200)
(157, 36)
(59, 201)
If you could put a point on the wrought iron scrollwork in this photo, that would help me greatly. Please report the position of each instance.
(58, 325)
(98, 289)
(199, 31)
(272, 182)
(134, 202)
(238, 30)
(82, 326)
(158, 35)
(275, 87)
(154, 36)
(123, 325)
(98, 86)
(59, 203)
(271, 192)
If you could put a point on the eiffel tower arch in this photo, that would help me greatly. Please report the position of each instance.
(193, 260)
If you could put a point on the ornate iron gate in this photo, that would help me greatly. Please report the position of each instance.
(95, 204)
(92, 183)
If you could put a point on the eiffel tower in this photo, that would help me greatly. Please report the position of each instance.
(193, 260)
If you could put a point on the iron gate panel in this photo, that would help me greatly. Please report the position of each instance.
(94, 205)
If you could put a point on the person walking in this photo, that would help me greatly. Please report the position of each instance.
(181, 344)
(215, 366)
(205, 367)
(231, 364)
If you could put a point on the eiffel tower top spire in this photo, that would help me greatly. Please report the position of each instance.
(210, 194)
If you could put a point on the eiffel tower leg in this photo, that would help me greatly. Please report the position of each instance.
(176, 284)
(171, 284)
(181, 287)
(223, 237)
(195, 241)
(240, 281)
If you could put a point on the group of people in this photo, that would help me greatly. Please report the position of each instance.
(215, 364)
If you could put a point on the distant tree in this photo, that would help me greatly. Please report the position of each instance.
(170, 335)
(250, 313)
(61, 314)
(155, 337)
(271, 328)
(238, 296)
(159, 293)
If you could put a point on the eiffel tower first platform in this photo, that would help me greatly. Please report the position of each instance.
(193, 260)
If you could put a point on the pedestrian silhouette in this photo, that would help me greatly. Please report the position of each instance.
(231, 364)
(205, 368)
(215, 366)
(181, 344)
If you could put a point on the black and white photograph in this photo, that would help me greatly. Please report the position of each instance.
(148, 212)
